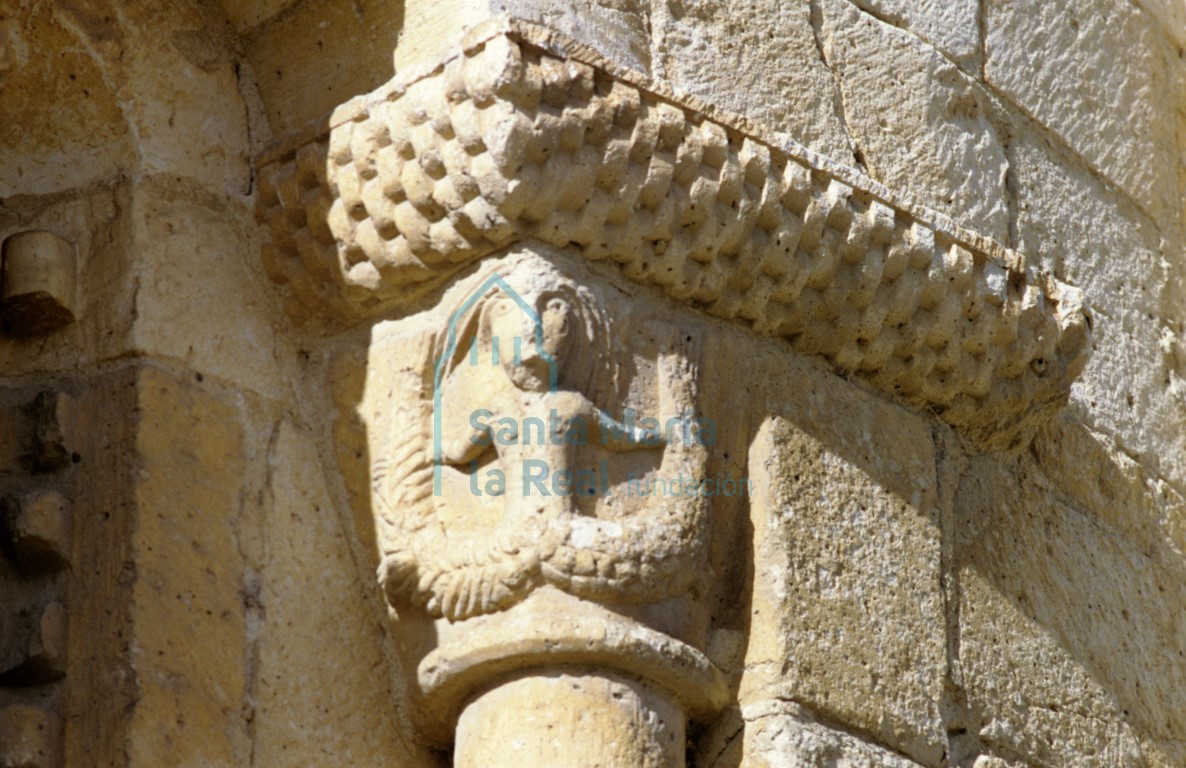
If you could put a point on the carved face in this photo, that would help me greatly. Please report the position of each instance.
(513, 332)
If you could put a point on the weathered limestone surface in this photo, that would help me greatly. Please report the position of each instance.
(618, 29)
(1119, 493)
(1114, 104)
(1171, 17)
(1084, 677)
(744, 57)
(779, 734)
(187, 607)
(247, 15)
(952, 26)
(1127, 390)
(847, 557)
(919, 123)
(319, 54)
(99, 684)
(191, 244)
(101, 102)
(312, 702)
(63, 127)
(30, 736)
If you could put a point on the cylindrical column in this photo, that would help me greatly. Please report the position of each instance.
(571, 718)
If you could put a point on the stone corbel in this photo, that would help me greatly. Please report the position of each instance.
(524, 143)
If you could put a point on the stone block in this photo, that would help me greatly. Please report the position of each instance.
(620, 30)
(29, 737)
(1119, 493)
(1063, 628)
(197, 131)
(324, 691)
(194, 246)
(953, 27)
(64, 127)
(1101, 76)
(320, 54)
(33, 648)
(920, 124)
(1095, 239)
(848, 615)
(102, 97)
(745, 57)
(187, 611)
(246, 15)
(39, 530)
(989, 761)
(782, 735)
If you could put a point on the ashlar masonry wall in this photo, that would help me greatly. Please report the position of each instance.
(187, 468)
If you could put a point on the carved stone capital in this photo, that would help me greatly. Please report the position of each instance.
(491, 214)
(517, 431)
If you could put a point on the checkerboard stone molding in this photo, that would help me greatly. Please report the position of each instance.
(521, 135)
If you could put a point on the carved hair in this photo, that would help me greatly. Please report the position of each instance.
(587, 364)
